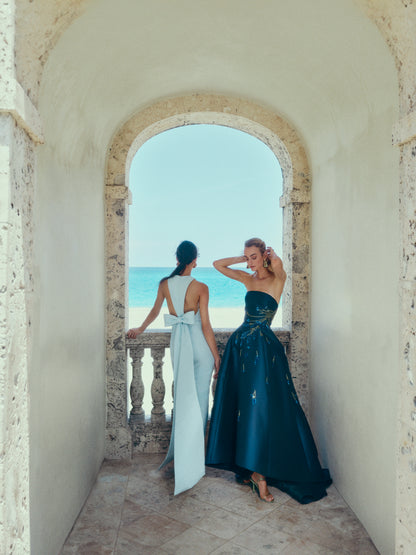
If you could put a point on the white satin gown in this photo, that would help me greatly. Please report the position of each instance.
(192, 363)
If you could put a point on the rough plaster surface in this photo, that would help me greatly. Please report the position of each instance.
(16, 297)
(38, 28)
(406, 447)
(118, 437)
(16, 294)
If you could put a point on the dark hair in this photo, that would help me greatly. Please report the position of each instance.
(185, 253)
(256, 242)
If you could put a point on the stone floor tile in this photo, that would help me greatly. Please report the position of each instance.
(188, 509)
(288, 520)
(325, 534)
(217, 492)
(260, 538)
(149, 493)
(120, 467)
(224, 524)
(192, 542)
(302, 547)
(250, 504)
(85, 533)
(133, 512)
(128, 545)
(88, 548)
(359, 546)
(151, 530)
(310, 509)
(231, 548)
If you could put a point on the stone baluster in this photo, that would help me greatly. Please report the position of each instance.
(137, 385)
(158, 385)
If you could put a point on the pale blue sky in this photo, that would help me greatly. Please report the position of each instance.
(213, 185)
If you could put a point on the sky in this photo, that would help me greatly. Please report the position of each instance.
(212, 185)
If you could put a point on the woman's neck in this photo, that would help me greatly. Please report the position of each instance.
(262, 273)
(187, 271)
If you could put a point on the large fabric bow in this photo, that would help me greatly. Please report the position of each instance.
(187, 318)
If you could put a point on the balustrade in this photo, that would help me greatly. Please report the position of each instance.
(151, 432)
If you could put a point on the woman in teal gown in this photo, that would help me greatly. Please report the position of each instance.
(258, 428)
(194, 354)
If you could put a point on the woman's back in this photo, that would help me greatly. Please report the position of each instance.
(182, 294)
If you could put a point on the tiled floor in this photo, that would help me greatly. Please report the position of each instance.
(131, 510)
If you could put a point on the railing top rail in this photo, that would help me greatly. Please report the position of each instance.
(161, 338)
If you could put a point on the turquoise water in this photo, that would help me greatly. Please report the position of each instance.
(223, 292)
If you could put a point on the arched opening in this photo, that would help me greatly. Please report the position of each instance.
(287, 146)
(214, 185)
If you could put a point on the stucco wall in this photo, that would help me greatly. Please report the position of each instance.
(67, 386)
(354, 326)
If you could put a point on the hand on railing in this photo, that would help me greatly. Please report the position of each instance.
(134, 332)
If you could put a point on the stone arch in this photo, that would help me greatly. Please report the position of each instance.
(288, 147)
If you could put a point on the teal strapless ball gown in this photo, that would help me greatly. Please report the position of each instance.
(257, 423)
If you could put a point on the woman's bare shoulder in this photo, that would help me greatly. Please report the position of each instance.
(199, 286)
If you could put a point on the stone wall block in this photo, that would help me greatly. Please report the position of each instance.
(300, 309)
(117, 197)
(301, 259)
(300, 284)
(406, 482)
(151, 438)
(116, 366)
(116, 403)
(16, 309)
(300, 232)
(408, 348)
(408, 210)
(118, 443)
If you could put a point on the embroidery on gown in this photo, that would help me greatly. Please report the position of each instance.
(273, 435)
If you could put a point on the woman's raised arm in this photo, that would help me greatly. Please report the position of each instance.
(276, 264)
(222, 265)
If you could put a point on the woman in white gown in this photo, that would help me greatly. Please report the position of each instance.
(194, 355)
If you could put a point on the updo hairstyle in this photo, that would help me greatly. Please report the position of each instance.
(185, 253)
(256, 242)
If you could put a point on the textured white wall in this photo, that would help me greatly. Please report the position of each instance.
(322, 65)
(354, 327)
(67, 382)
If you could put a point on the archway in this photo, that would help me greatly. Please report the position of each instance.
(283, 140)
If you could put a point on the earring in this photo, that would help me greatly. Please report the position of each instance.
(265, 263)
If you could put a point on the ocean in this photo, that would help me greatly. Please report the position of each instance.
(223, 292)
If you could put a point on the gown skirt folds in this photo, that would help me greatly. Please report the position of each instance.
(257, 423)
(192, 363)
